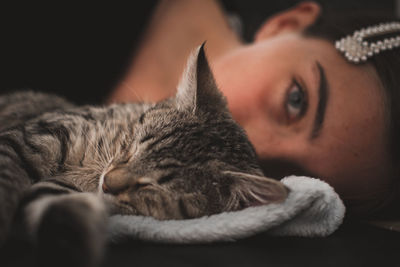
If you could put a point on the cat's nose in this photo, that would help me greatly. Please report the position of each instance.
(120, 180)
(116, 181)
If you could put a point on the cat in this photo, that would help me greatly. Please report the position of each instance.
(64, 169)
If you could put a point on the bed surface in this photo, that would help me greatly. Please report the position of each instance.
(354, 244)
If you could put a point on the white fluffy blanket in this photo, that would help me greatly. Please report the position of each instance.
(311, 209)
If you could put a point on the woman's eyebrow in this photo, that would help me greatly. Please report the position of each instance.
(323, 95)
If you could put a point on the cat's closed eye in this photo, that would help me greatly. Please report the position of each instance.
(146, 138)
(170, 165)
(142, 183)
(166, 178)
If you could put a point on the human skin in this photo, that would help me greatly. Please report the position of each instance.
(350, 151)
(176, 28)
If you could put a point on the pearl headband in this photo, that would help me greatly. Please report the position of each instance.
(356, 49)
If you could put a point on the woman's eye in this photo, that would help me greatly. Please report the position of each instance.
(296, 101)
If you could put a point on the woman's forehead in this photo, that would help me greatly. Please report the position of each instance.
(356, 96)
(356, 93)
(354, 131)
(336, 64)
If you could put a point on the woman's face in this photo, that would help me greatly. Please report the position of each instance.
(301, 103)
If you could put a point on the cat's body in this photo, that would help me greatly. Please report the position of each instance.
(67, 168)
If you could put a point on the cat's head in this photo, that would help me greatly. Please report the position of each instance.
(189, 157)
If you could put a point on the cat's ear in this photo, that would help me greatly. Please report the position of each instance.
(252, 190)
(197, 90)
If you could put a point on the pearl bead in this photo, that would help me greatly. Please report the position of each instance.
(356, 48)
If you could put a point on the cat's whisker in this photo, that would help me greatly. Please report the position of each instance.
(101, 178)
(95, 150)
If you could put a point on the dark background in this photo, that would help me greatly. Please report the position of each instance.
(81, 51)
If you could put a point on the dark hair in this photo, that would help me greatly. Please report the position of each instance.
(332, 27)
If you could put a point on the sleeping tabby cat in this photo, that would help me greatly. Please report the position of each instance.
(64, 169)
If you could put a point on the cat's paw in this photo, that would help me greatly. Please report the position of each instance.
(71, 232)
